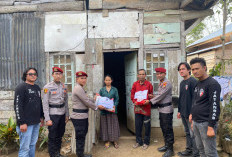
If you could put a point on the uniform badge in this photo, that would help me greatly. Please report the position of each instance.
(201, 92)
(45, 91)
(79, 74)
(186, 87)
(164, 84)
(55, 70)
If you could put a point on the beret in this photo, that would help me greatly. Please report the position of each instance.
(81, 73)
(57, 69)
(162, 70)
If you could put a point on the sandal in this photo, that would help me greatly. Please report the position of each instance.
(116, 145)
(107, 145)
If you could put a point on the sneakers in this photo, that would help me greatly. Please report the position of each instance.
(136, 145)
(145, 146)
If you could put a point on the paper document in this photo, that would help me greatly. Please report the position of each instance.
(141, 95)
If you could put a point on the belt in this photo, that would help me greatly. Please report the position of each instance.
(56, 106)
(164, 105)
(81, 110)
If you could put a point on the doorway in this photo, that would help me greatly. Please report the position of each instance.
(114, 65)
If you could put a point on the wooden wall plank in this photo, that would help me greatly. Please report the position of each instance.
(141, 4)
(118, 43)
(95, 4)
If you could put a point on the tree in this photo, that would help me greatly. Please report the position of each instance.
(211, 23)
(196, 33)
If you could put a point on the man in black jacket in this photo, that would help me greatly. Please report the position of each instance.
(205, 109)
(29, 112)
(184, 108)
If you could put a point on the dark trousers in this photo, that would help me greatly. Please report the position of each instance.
(141, 120)
(81, 129)
(190, 139)
(56, 132)
(167, 128)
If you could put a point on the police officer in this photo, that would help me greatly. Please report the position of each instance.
(79, 116)
(56, 113)
(164, 102)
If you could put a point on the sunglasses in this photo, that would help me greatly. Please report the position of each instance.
(31, 74)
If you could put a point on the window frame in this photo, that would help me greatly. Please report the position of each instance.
(152, 73)
(72, 70)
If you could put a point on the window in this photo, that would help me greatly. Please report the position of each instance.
(66, 64)
(154, 60)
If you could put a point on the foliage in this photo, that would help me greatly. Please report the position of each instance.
(196, 33)
(211, 23)
(8, 134)
(216, 71)
(43, 137)
(227, 121)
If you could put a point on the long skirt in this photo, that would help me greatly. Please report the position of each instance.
(110, 130)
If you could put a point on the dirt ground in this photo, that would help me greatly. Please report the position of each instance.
(125, 149)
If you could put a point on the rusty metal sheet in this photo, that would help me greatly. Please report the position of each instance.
(20, 47)
(5, 51)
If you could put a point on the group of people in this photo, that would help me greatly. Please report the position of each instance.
(198, 108)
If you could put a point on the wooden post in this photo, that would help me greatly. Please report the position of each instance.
(223, 38)
(141, 52)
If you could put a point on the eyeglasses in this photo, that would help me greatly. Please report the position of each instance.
(31, 74)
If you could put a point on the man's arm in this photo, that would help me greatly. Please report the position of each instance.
(46, 94)
(133, 89)
(41, 109)
(214, 101)
(162, 95)
(82, 95)
(66, 104)
(19, 104)
(179, 104)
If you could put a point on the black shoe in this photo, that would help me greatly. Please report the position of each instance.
(185, 153)
(163, 149)
(168, 153)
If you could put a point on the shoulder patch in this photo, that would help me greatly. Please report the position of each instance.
(164, 84)
(45, 90)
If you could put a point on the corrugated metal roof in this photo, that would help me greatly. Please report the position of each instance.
(213, 35)
(20, 47)
(209, 48)
(5, 50)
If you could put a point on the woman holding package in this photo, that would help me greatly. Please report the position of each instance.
(109, 126)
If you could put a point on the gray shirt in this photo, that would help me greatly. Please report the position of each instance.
(164, 96)
(55, 94)
(81, 101)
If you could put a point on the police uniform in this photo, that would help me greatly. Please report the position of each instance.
(164, 102)
(55, 107)
(79, 116)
